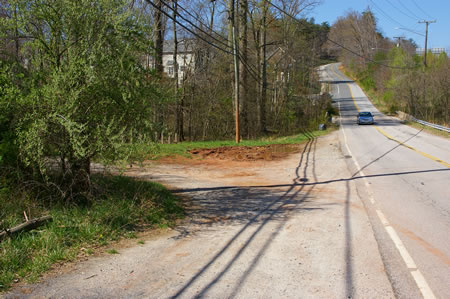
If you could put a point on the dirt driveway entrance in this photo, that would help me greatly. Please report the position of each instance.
(289, 225)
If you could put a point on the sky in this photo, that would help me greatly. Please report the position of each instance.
(394, 15)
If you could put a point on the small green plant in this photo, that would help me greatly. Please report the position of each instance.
(141, 242)
(112, 251)
(131, 235)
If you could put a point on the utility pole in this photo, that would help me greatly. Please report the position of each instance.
(236, 67)
(426, 39)
(398, 40)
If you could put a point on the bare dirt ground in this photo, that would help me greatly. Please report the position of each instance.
(270, 222)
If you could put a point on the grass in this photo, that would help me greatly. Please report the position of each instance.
(122, 207)
(182, 148)
(112, 251)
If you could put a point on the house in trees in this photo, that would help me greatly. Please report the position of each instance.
(185, 58)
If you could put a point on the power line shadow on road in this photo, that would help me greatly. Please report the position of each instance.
(384, 154)
(274, 209)
(300, 184)
(236, 205)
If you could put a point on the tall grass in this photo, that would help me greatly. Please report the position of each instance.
(122, 205)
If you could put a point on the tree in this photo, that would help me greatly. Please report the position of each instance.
(86, 93)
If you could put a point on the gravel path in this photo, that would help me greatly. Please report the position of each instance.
(291, 228)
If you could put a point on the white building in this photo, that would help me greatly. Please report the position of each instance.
(185, 58)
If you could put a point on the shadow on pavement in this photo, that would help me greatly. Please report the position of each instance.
(259, 207)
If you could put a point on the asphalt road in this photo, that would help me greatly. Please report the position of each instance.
(403, 177)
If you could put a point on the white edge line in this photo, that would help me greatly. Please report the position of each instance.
(401, 248)
(382, 218)
(421, 282)
(427, 293)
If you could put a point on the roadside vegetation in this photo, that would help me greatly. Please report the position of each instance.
(120, 207)
(391, 73)
(82, 82)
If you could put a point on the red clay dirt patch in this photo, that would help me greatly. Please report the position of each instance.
(247, 153)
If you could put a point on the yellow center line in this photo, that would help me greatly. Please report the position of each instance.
(412, 148)
(351, 93)
(395, 140)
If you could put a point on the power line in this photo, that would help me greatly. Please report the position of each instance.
(410, 11)
(401, 11)
(415, 3)
(200, 22)
(336, 43)
(385, 14)
(246, 65)
(195, 26)
(189, 30)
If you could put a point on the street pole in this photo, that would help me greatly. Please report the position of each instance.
(426, 39)
(398, 40)
(236, 71)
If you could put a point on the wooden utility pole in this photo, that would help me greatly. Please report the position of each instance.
(232, 26)
(426, 39)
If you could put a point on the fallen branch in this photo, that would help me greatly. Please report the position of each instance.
(26, 226)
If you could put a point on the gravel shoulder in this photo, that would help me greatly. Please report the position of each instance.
(291, 227)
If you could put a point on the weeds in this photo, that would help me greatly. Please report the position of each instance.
(112, 251)
(121, 207)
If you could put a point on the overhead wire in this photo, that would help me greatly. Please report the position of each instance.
(336, 43)
(248, 66)
(392, 20)
(192, 24)
(200, 22)
(417, 5)
(410, 11)
(251, 72)
(187, 29)
(401, 11)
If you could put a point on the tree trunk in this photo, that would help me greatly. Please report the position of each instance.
(263, 62)
(158, 38)
(243, 99)
(179, 109)
(81, 178)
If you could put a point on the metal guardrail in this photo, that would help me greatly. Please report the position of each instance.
(442, 128)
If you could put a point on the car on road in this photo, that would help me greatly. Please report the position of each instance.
(365, 118)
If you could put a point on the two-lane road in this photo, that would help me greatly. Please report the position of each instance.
(403, 176)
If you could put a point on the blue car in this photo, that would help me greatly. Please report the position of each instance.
(365, 118)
